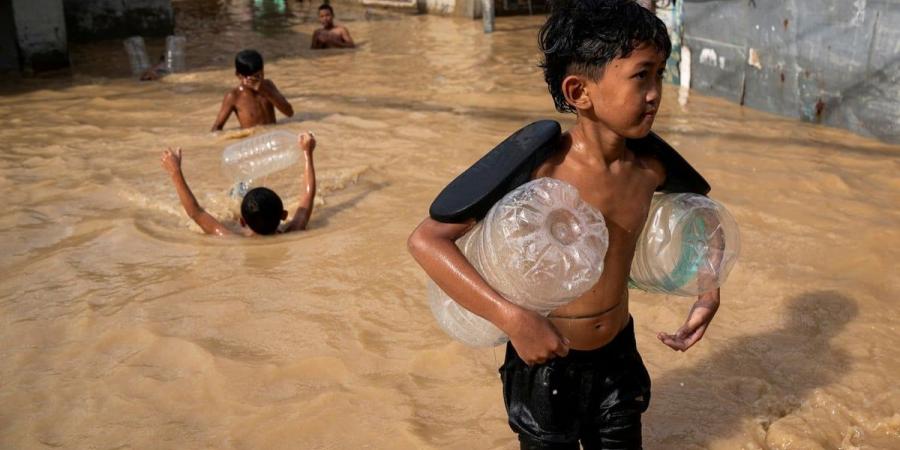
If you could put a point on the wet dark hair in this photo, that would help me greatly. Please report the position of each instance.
(262, 210)
(326, 6)
(247, 62)
(581, 37)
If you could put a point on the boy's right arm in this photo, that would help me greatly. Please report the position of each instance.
(433, 246)
(224, 111)
(171, 162)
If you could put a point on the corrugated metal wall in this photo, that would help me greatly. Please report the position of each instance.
(835, 62)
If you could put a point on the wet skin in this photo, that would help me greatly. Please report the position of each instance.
(331, 35)
(254, 101)
(620, 104)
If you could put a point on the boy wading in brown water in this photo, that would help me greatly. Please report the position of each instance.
(255, 97)
(576, 376)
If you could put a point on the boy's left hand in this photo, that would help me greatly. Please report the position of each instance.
(307, 141)
(699, 317)
(171, 160)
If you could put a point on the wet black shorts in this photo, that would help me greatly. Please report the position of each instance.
(595, 397)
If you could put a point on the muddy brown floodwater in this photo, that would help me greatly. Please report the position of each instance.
(124, 327)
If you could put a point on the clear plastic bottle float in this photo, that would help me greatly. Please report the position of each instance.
(258, 156)
(540, 247)
(175, 54)
(137, 55)
(688, 246)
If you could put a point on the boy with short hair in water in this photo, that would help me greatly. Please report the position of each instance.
(330, 35)
(576, 376)
(261, 209)
(255, 98)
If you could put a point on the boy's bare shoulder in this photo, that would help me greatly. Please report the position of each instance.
(232, 94)
(653, 166)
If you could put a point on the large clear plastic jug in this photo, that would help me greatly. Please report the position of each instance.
(540, 247)
(137, 55)
(175, 56)
(256, 157)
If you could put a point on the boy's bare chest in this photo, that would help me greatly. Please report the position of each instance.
(623, 198)
(252, 104)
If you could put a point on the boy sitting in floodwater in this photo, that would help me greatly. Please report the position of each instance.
(576, 376)
(330, 35)
(261, 210)
(255, 98)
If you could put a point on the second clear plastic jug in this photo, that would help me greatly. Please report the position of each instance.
(687, 247)
(137, 55)
(258, 156)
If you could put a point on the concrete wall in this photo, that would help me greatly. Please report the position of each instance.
(40, 28)
(104, 19)
(835, 62)
(9, 43)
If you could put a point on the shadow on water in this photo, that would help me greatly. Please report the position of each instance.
(761, 377)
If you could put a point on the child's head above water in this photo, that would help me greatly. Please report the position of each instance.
(587, 39)
(326, 15)
(262, 211)
(248, 63)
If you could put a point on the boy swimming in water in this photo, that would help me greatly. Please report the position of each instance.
(255, 98)
(576, 376)
(261, 210)
(330, 35)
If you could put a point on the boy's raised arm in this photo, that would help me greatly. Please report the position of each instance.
(307, 143)
(171, 162)
(268, 89)
(224, 111)
(433, 246)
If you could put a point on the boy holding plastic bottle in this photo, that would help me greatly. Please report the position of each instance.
(261, 209)
(255, 98)
(576, 376)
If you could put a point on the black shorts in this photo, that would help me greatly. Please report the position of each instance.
(595, 397)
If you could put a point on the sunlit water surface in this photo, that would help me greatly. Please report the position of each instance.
(124, 327)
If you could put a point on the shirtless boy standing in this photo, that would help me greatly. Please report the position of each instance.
(255, 98)
(330, 35)
(576, 376)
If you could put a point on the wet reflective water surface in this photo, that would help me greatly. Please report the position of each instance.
(124, 327)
